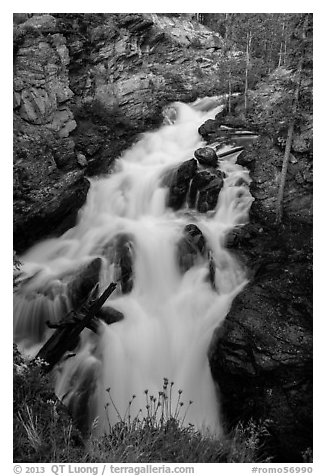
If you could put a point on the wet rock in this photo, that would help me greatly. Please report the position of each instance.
(263, 362)
(108, 315)
(208, 196)
(49, 210)
(190, 246)
(80, 287)
(179, 184)
(204, 190)
(80, 397)
(262, 354)
(211, 132)
(120, 252)
(246, 159)
(200, 180)
(208, 128)
(206, 156)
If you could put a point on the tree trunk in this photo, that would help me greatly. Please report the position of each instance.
(247, 69)
(66, 335)
(281, 47)
(285, 53)
(230, 91)
(227, 27)
(280, 196)
(279, 203)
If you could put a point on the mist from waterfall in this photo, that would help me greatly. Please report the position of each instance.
(169, 315)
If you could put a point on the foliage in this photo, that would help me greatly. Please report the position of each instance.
(275, 41)
(144, 441)
(271, 101)
(42, 428)
(44, 432)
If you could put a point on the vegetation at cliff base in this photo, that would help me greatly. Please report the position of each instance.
(44, 432)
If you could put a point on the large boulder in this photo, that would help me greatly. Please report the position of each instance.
(208, 195)
(200, 180)
(120, 252)
(204, 190)
(190, 247)
(179, 183)
(206, 156)
(81, 285)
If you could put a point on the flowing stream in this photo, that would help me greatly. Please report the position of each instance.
(169, 314)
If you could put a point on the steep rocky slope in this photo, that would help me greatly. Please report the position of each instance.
(262, 354)
(84, 86)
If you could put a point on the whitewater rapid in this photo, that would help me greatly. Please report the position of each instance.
(169, 316)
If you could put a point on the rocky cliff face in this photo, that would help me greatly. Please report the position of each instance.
(84, 86)
(262, 354)
(264, 160)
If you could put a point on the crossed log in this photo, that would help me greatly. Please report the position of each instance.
(65, 337)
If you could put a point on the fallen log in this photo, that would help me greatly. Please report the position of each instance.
(230, 152)
(65, 337)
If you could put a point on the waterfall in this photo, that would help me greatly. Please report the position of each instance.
(169, 313)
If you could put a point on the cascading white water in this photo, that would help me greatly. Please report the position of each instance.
(169, 316)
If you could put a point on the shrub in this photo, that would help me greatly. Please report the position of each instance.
(44, 431)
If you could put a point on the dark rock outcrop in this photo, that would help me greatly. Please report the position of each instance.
(206, 156)
(48, 187)
(84, 86)
(262, 354)
(191, 245)
(191, 248)
(264, 160)
(208, 195)
(80, 287)
(204, 190)
(123, 259)
(179, 183)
